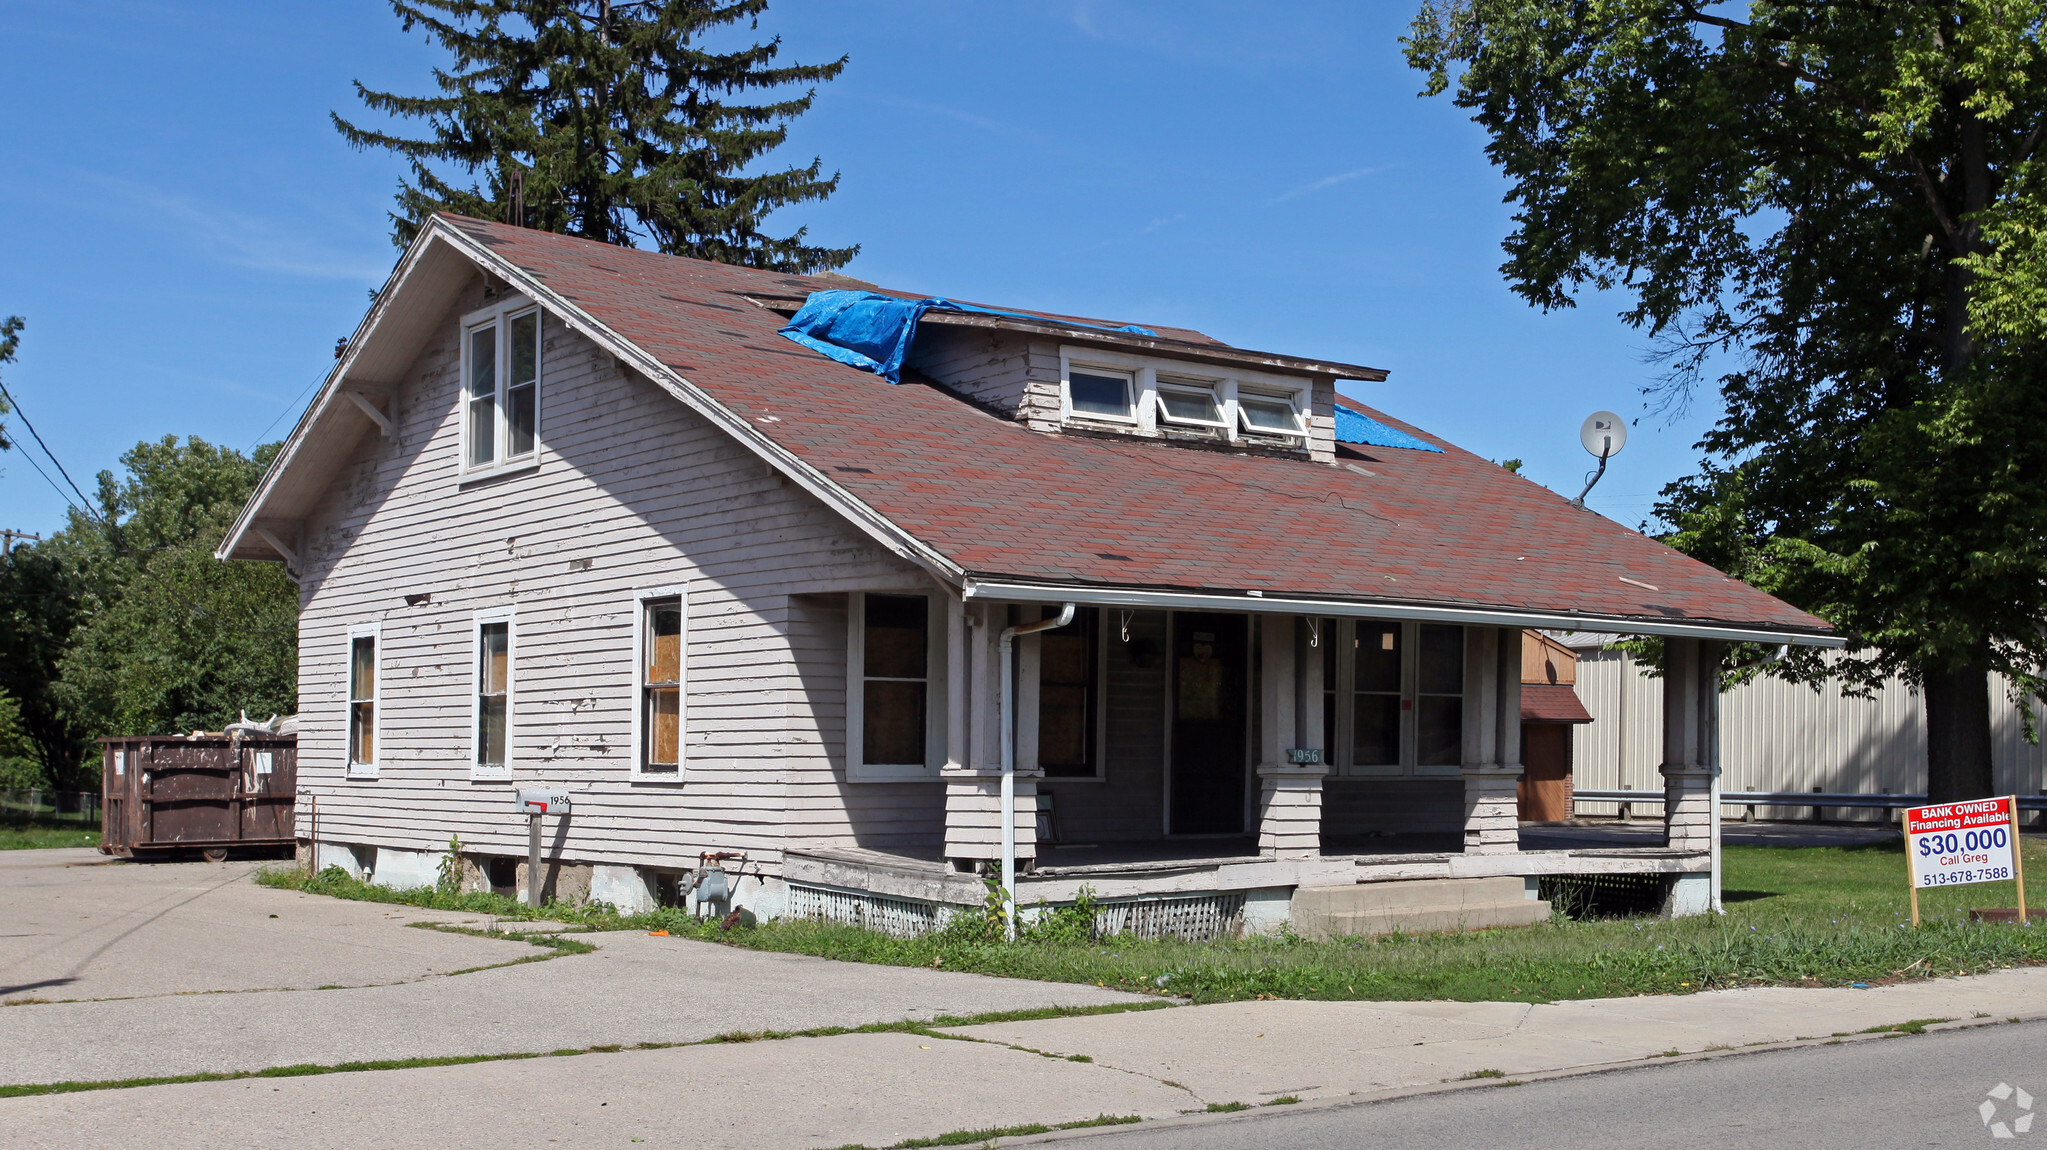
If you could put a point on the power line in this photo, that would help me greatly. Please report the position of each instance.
(317, 381)
(16, 405)
(113, 541)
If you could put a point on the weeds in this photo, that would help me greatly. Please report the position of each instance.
(1796, 917)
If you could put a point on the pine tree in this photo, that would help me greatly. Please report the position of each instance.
(608, 120)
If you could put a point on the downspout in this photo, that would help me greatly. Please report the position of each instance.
(1776, 655)
(1008, 811)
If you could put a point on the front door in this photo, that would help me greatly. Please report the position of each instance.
(1209, 705)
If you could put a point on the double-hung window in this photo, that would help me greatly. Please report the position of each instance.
(491, 743)
(661, 635)
(1439, 697)
(363, 672)
(501, 388)
(895, 687)
(1393, 697)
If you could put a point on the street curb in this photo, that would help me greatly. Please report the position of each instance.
(1398, 1093)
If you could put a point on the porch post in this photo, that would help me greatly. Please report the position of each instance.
(1492, 739)
(973, 788)
(1691, 763)
(1289, 794)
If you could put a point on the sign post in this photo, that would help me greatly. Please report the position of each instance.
(1956, 843)
(534, 804)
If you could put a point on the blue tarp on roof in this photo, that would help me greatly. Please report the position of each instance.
(1357, 427)
(872, 331)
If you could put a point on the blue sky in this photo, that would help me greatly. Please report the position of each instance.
(187, 236)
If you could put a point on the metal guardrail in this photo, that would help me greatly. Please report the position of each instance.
(1817, 800)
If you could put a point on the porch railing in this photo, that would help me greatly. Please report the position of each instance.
(1819, 801)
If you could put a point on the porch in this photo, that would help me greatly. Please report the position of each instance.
(1232, 759)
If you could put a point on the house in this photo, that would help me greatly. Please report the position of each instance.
(580, 516)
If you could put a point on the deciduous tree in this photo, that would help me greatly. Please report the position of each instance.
(1839, 207)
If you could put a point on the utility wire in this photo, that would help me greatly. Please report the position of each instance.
(85, 505)
(16, 405)
(317, 381)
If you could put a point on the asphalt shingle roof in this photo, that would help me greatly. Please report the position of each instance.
(1001, 501)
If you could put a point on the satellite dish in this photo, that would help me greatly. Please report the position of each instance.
(1604, 434)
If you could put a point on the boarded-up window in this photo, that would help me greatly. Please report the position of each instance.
(493, 691)
(1439, 697)
(1067, 689)
(895, 685)
(362, 700)
(661, 685)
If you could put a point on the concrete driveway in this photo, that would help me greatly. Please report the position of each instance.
(124, 970)
(80, 925)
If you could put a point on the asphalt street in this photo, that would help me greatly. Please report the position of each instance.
(1907, 1091)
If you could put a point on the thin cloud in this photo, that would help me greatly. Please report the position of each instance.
(971, 119)
(1321, 184)
(1157, 225)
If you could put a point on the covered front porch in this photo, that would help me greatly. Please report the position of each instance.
(1224, 760)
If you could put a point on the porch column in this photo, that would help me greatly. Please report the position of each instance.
(1289, 793)
(1492, 739)
(1691, 761)
(973, 786)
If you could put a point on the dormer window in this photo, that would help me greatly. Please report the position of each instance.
(1192, 404)
(1112, 390)
(1265, 414)
(1096, 394)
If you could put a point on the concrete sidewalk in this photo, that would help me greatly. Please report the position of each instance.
(877, 1089)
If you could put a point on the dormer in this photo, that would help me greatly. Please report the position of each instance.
(1061, 386)
(1061, 375)
(1108, 392)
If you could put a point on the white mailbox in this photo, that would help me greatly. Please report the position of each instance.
(542, 802)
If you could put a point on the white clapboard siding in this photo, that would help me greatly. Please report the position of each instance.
(633, 491)
(1782, 737)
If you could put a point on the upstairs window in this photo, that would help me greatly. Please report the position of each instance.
(1150, 397)
(1265, 414)
(1189, 404)
(1096, 394)
(501, 388)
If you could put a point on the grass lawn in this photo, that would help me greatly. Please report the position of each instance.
(1807, 916)
(40, 834)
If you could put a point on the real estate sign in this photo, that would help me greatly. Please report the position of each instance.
(1956, 843)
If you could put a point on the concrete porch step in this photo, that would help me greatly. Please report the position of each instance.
(1417, 906)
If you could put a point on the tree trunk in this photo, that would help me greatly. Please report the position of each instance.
(1957, 733)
